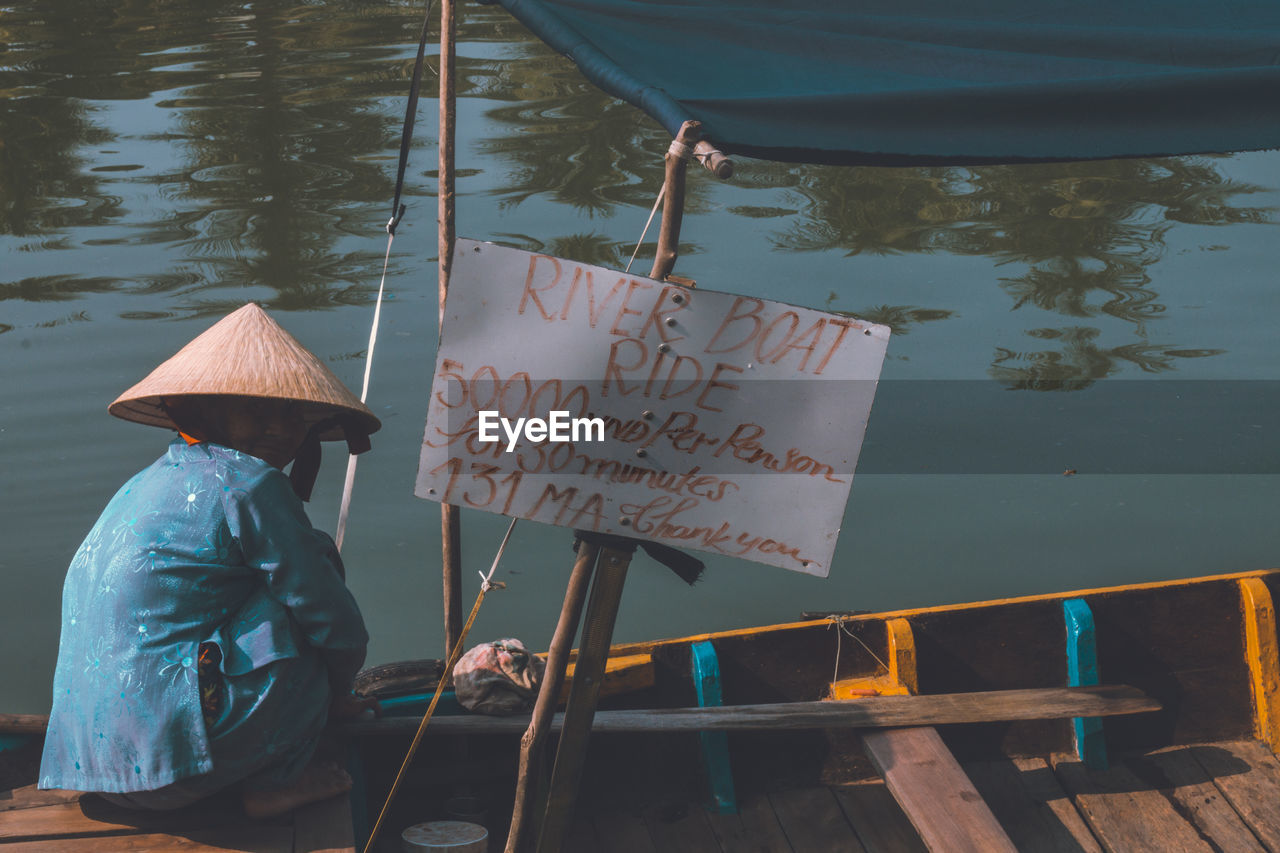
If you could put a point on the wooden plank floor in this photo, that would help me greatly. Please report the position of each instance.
(53, 821)
(1213, 797)
(1223, 796)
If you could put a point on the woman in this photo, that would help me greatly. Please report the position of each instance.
(207, 631)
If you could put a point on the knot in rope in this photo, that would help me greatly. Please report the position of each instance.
(706, 154)
(679, 149)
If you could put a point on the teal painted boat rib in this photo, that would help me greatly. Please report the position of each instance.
(715, 745)
(1082, 671)
(8, 742)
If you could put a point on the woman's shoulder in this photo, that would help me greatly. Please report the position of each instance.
(234, 470)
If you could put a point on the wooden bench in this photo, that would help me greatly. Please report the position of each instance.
(1048, 703)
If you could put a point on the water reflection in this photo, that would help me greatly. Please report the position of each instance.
(595, 249)
(40, 178)
(899, 318)
(258, 132)
(1080, 361)
(266, 115)
(1087, 234)
(275, 142)
(565, 138)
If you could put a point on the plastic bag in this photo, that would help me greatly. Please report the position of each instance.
(501, 677)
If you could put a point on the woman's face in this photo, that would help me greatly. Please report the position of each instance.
(271, 430)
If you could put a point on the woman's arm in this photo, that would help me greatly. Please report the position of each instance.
(301, 568)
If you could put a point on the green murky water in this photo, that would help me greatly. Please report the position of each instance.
(162, 163)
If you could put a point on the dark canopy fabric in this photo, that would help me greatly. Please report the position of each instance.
(910, 81)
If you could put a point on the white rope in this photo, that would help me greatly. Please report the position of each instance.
(704, 156)
(345, 510)
(486, 581)
(838, 623)
(657, 201)
(679, 149)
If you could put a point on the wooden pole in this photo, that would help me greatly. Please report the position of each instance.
(714, 159)
(533, 743)
(677, 160)
(450, 519)
(588, 672)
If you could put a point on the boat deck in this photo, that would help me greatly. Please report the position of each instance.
(72, 822)
(1213, 797)
(1223, 796)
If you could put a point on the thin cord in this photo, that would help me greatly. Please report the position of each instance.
(448, 668)
(837, 622)
(657, 201)
(348, 485)
(397, 212)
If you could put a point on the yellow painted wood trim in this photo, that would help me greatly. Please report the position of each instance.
(862, 687)
(622, 674)
(1263, 658)
(649, 645)
(901, 678)
(902, 654)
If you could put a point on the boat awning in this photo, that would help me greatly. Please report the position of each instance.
(919, 81)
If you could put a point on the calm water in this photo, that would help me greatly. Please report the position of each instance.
(162, 163)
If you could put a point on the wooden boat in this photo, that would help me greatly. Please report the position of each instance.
(1193, 769)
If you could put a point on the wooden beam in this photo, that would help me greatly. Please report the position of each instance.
(921, 773)
(93, 816)
(764, 631)
(260, 839)
(1082, 669)
(576, 726)
(540, 722)
(900, 677)
(902, 654)
(713, 158)
(1263, 659)
(450, 516)
(993, 706)
(673, 202)
(624, 674)
(927, 781)
(23, 724)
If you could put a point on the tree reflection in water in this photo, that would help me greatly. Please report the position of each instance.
(270, 119)
(1088, 234)
(1081, 361)
(281, 146)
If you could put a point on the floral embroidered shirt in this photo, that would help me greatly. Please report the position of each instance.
(207, 544)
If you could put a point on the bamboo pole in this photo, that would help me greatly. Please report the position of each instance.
(533, 743)
(450, 518)
(713, 159)
(588, 672)
(677, 160)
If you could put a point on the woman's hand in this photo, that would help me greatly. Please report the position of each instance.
(348, 706)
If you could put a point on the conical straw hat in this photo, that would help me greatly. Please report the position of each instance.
(247, 354)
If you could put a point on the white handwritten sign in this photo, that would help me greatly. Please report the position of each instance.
(592, 399)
